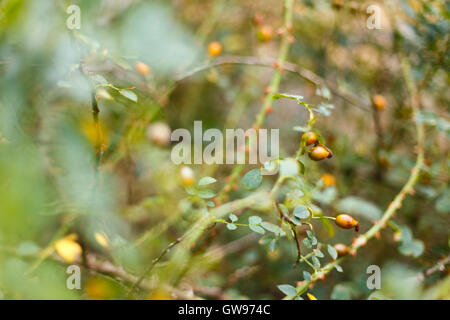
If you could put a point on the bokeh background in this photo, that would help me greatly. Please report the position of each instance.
(105, 194)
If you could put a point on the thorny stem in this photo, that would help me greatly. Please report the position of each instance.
(397, 202)
(150, 267)
(439, 266)
(282, 55)
(306, 74)
(98, 131)
(274, 84)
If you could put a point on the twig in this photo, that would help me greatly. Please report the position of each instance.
(397, 202)
(154, 262)
(288, 66)
(293, 228)
(274, 85)
(439, 266)
(178, 259)
(379, 144)
(98, 133)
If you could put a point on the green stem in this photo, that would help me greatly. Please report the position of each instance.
(274, 84)
(396, 203)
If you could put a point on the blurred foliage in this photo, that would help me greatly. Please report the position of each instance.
(104, 194)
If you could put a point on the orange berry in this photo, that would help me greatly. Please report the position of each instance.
(258, 18)
(346, 221)
(337, 4)
(379, 101)
(341, 249)
(318, 153)
(269, 109)
(354, 7)
(187, 176)
(265, 33)
(142, 68)
(214, 49)
(328, 180)
(159, 133)
(280, 31)
(310, 137)
(289, 27)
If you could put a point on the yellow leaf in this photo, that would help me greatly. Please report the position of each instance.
(99, 289)
(68, 249)
(159, 294)
(311, 297)
(101, 239)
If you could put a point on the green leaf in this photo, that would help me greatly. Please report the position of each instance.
(326, 196)
(284, 209)
(129, 95)
(289, 168)
(342, 292)
(288, 96)
(206, 180)
(273, 245)
(306, 275)
(316, 262)
(405, 234)
(332, 252)
(307, 243)
(254, 220)
(231, 226)
(265, 240)
(323, 92)
(338, 268)
(206, 194)
(322, 110)
(191, 191)
(252, 179)
(301, 212)
(233, 217)
(64, 84)
(412, 248)
(288, 290)
(272, 228)
(302, 167)
(377, 296)
(28, 248)
(210, 204)
(442, 204)
(300, 128)
(318, 254)
(256, 229)
(99, 78)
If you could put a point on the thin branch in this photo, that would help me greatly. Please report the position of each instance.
(398, 200)
(439, 266)
(288, 66)
(273, 88)
(152, 265)
(293, 228)
(98, 132)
